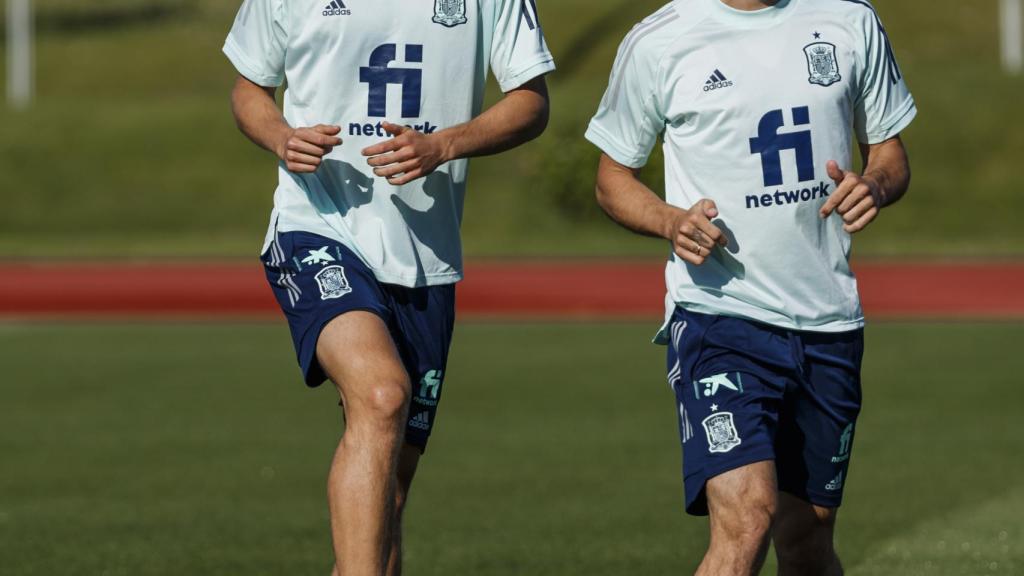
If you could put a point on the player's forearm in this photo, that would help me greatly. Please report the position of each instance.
(630, 203)
(888, 167)
(258, 116)
(519, 117)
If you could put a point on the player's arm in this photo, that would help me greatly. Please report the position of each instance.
(258, 117)
(519, 117)
(859, 198)
(632, 204)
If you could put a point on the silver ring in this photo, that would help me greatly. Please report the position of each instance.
(697, 249)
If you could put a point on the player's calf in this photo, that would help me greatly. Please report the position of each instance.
(803, 537)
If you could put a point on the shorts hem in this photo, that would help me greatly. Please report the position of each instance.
(312, 372)
(817, 499)
(697, 504)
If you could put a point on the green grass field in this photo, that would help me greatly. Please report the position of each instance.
(131, 150)
(193, 449)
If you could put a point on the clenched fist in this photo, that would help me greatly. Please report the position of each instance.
(693, 235)
(407, 156)
(857, 199)
(303, 149)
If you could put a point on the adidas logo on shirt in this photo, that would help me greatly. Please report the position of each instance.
(421, 421)
(337, 8)
(717, 81)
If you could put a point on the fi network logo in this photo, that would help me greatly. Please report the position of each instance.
(770, 144)
(337, 8)
(379, 75)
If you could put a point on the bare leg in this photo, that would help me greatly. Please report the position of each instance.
(358, 354)
(803, 539)
(742, 503)
(406, 471)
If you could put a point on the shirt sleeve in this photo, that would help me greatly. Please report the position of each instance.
(519, 52)
(630, 117)
(884, 106)
(257, 42)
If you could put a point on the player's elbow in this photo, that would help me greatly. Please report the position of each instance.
(538, 118)
(534, 106)
(603, 193)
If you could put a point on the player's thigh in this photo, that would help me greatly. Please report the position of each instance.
(743, 500)
(357, 352)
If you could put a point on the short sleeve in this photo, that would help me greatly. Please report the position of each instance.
(257, 41)
(519, 52)
(630, 118)
(884, 106)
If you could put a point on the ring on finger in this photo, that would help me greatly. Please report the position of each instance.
(697, 248)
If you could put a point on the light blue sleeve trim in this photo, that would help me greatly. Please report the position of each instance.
(599, 137)
(247, 69)
(517, 78)
(899, 123)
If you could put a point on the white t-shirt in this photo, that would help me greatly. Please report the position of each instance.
(357, 63)
(751, 107)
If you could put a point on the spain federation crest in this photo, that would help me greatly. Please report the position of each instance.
(822, 64)
(450, 13)
(333, 283)
(721, 431)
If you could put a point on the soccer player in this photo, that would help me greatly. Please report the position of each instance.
(758, 103)
(382, 109)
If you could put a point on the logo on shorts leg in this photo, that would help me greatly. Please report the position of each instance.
(836, 484)
(844, 445)
(714, 383)
(333, 283)
(721, 431)
(421, 421)
(430, 388)
(318, 257)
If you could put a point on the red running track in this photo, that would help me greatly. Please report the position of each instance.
(500, 290)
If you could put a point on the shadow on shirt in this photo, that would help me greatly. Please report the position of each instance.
(342, 185)
(721, 268)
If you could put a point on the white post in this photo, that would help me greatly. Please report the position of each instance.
(19, 53)
(1012, 37)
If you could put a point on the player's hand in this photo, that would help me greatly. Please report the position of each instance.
(407, 156)
(304, 148)
(856, 199)
(693, 235)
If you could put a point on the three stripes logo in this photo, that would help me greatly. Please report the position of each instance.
(717, 81)
(421, 421)
(337, 8)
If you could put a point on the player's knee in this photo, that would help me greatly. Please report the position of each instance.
(388, 399)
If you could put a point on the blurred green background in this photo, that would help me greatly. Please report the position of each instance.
(130, 149)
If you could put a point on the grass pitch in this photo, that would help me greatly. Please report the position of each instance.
(194, 449)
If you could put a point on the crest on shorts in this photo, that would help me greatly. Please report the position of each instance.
(450, 13)
(721, 431)
(822, 64)
(333, 283)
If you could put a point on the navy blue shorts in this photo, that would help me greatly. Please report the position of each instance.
(749, 392)
(316, 279)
